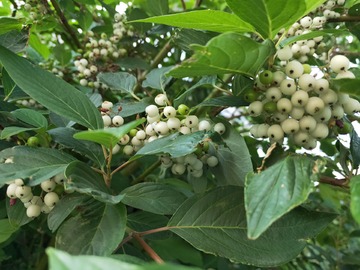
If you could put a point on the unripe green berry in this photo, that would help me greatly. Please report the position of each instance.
(266, 77)
(251, 96)
(307, 68)
(270, 107)
(133, 132)
(33, 141)
(183, 109)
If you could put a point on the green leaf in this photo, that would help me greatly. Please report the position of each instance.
(10, 131)
(60, 260)
(128, 259)
(347, 86)
(62, 54)
(119, 81)
(51, 91)
(185, 37)
(137, 14)
(132, 63)
(15, 40)
(110, 136)
(97, 230)
(314, 34)
(36, 44)
(7, 24)
(7, 82)
(156, 198)
(144, 221)
(133, 107)
(176, 248)
(31, 117)
(158, 7)
(268, 17)
(63, 209)
(240, 84)
(212, 20)
(234, 160)
(289, 179)
(84, 19)
(17, 213)
(37, 163)
(355, 197)
(6, 230)
(242, 55)
(206, 80)
(157, 78)
(64, 136)
(84, 179)
(176, 144)
(215, 222)
(224, 101)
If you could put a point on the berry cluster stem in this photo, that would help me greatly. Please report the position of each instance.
(146, 173)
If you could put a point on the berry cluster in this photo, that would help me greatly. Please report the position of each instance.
(36, 205)
(163, 121)
(30, 103)
(297, 104)
(102, 49)
(302, 48)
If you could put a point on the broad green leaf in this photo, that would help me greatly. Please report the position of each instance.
(355, 197)
(97, 230)
(7, 230)
(206, 80)
(31, 117)
(240, 84)
(110, 136)
(242, 55)
(109, 8)
(144, 221)
(7, 106)
(224, 101)
(64, 136)
(84, 19)
(107, 29)
(350, 3)
(62, 54)
(158, 7)
(51, 91)
(128, 259)
(17, 213)
(176, 144)
(132, 63)
(7, 82)
(157, 78)
(185, 37)
(10, 131)
(314, 34)
(156, 198)
(59, 260)
(119, 81)
(8, 23)
(176, 248)
(133, 107)
(234, 160)
(137, 14)
(269, 16)
(47, 23)
(5, 144)
(36, 44)
(289, 179)
(347, 86)
(215, 222)
(212, 20)
(63, 209)
(15, 40)
(82, 178)
(37, 163)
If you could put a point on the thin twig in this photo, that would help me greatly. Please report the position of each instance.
(121, 166)
(345, 19)
(146, 173)
(65, 23)
(183, 5)
(123, 242)
(153, 231)
(147, 248)
(345, 52)
(97, 170)
(223, 90)
(334, 182)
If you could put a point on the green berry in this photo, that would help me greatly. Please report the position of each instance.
(345, 130)
(205, 146)
(198, 150)
(251, 96)
(103, 36)
(33, 141)
(133, 132)
(183, 109)
(91, 84)
(59, 189)
(307, 68)
(80, 51)
(270, 107)
(266, 77)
